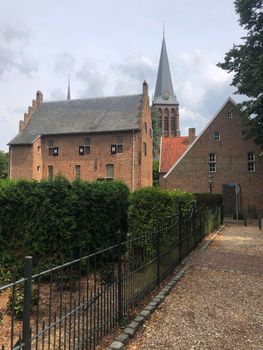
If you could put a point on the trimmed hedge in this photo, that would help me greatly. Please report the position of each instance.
(54, 219)
(150, 207)
(208, 199)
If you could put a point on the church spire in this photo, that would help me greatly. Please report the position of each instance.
(68, 95)
(164, 92)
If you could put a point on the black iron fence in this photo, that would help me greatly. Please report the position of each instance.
(74, 305)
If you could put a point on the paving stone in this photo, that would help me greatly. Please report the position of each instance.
(129, 331)
(139, 319)
(116, 345)
(157, 300)
(150, 308)
(123, 338)
(145, 313)
(133, 325)
(153, 303)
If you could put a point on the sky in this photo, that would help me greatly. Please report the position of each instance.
(109, 47)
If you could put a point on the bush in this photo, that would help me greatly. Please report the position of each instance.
(204, 200)
(150, 207)
(54, 219)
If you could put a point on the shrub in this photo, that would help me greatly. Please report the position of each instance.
(54, 219)
(204, 200)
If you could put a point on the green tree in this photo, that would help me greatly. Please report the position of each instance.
(246, 62)
(157, 133)
(3, 164)
(156, 173)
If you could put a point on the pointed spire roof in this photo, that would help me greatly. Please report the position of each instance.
(164, 92)
(68, 95)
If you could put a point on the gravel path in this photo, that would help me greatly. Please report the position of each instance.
(218, 303)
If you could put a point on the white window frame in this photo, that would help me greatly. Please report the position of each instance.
(212, 162)
(251, 162)
(217, 136)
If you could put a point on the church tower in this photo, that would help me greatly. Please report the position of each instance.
(164, 97)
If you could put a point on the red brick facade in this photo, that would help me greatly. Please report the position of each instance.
(223, 137)
(132, 163)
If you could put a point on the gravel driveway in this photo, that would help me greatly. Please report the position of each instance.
(218, 303)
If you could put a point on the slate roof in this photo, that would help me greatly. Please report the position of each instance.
(82, 116)
(171, 150)
(164, 81)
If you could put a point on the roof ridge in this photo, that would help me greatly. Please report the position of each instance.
(92, 98)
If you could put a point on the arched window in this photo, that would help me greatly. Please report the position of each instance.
(145, 127)
(173, 128)
(166, 122)
(160, 119)
(109, 171)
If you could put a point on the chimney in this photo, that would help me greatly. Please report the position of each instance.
(191, 135)
(39, 97)
(145, 88)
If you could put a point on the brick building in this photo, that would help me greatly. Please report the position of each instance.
(221, 160)
(165, 99)
(90, 139)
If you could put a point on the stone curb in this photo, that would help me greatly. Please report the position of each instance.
(129, 332)
(213, 238)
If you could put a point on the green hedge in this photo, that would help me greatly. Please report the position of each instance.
(150, 207)
(51, 219)
(208, 199)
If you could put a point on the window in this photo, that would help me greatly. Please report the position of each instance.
(251, 162)
(38, 149)
(77, 172)
(145, 148)
(85, 149)
(50, 172)
(160, 120)
(118, 147)
(173, 127)
(229, 114)
(151, 133)
(38, 168)
(217, 136)
(212, 162)
(109, 171)
(119, 144)
(166, 122)
(145, 127)
(53, 151)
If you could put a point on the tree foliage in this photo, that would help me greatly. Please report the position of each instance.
(3, 164)
(246, 62)
(157, 133)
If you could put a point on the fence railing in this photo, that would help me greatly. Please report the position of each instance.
(74, 305)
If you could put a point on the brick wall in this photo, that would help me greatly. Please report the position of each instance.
(21, 162)
(192, 171)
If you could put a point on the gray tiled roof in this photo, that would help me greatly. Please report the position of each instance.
(82, 116)
(164, 85)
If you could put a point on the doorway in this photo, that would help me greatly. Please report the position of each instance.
(231, 198)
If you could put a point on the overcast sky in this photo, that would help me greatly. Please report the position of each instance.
(109, 47)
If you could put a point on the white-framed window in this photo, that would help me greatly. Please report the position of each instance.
(251, 162)
(217, 136)
(212, 162)
(85, 149)
(53, 151)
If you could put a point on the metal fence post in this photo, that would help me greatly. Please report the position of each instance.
(259, 222)
(193, 226)
(27, 302)
(120, 306)
(245, 218)
(180, 236)
(158, 254)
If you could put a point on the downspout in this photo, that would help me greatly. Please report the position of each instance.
(132, 186)
(10, 162)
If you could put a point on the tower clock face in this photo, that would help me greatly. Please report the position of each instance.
(166, 95)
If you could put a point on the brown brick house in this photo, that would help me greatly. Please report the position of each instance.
(91, 139)
(221, 160)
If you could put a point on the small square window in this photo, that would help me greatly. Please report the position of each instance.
(217, 136)
(212, 157)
